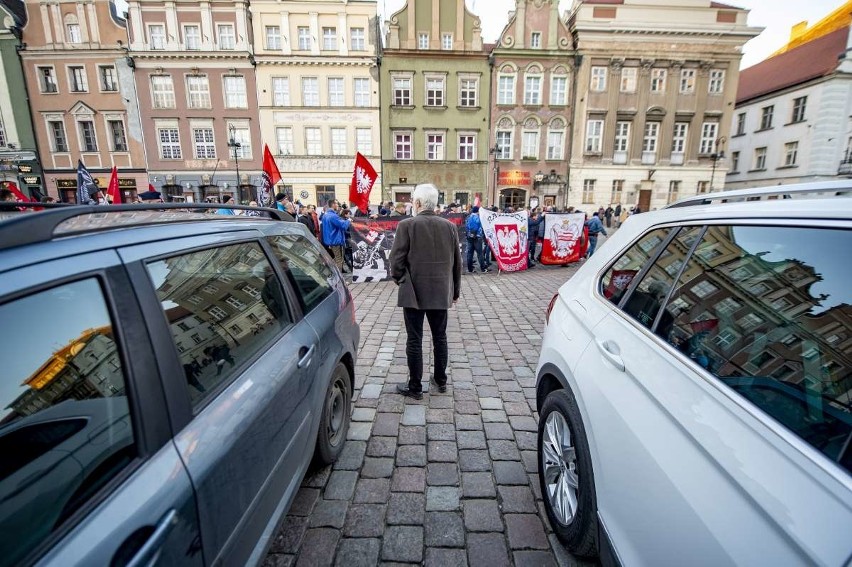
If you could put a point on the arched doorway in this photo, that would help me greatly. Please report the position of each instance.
(515, 198)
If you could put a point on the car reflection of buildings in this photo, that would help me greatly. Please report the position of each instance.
(87, 367)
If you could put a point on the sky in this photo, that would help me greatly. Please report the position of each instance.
(777, 16)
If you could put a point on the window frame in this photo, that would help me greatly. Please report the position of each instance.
(357, 41)
(232, 37)
(272, 40)
(598, 78)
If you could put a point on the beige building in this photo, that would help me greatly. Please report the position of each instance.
(655, 96)
(317, 90)
(81, 94)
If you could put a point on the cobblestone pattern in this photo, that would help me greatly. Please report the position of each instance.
(449, 480)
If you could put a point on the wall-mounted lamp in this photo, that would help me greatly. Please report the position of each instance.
(195, 71)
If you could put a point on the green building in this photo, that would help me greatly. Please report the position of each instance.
(435, 101)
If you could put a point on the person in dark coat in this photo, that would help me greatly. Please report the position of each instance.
(306, 219)
(426, 264)
(533, 222)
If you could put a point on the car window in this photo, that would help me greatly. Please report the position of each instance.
(618, 277)
(222, 305)
(65, 428)
(767, 310)
(309, 270)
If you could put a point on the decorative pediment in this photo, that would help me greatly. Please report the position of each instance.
(82, 109)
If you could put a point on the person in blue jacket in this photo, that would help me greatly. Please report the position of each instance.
(334, 232)
(595, 227)
(533, 222)
(475, 236)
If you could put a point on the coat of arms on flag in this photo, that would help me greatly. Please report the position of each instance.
(363, 178)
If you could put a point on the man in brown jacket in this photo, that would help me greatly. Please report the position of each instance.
(426, 264)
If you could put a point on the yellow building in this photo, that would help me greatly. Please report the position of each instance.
(318, 95)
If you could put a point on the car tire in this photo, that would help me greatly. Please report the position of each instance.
(574, 520)
(334, 421)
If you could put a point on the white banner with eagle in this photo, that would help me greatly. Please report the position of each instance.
(506, 234)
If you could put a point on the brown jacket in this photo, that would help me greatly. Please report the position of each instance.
(426, 263)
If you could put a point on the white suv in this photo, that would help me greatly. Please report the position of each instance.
(695, 388)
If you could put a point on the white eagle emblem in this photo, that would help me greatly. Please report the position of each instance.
(621, 281)
(363, 180)
(508, 240)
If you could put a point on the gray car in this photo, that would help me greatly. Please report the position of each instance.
(169, 376)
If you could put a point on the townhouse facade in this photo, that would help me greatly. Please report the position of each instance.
(318, 92)
(81, 97)
(435, 101)
(532, 81)
(194, 73)
(655, 93)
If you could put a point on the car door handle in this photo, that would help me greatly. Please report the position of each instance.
(305, 355)
(611, 352)
(150, 550)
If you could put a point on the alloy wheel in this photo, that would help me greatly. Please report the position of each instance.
(559, 465)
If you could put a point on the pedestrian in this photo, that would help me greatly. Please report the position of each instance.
(533, 223)
(399, 210)
(608, 216)
(542, 232)
(636, 210)
(426, 264)
(6, 196)
(312, 212)
(334, 232)
(617, 214)
(595, 228)
(306, 219)
(226, 200)
(475, 235)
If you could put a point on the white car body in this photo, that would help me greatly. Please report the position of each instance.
(687, 471)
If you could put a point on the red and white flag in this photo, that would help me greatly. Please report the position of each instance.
(112, 190)
(563, 236)
(268, 179)
(506, 234)
(363, 178)
(13, 187)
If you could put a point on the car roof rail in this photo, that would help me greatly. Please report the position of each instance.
(820, 189)
(51, 220)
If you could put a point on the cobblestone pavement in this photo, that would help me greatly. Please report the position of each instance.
(449, 480)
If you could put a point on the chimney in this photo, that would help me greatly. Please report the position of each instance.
(797, 30)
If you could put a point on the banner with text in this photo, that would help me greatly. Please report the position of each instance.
(506, 234)
(563, 238)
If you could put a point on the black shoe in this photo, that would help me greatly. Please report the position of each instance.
(530, 264)
(486, 270)
(405, 391)
(441, 387)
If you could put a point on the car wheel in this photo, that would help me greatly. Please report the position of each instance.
(334, 423)
(565, 474)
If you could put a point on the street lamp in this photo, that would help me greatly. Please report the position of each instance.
(495, 151)
(716, 156)
(233, 143)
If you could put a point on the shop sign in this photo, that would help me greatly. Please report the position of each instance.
(515, 177)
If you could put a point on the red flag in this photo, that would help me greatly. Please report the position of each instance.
(112, 190)
(270, 177)
(704, 326)
(363, 178)
(476, 200)
(17, 193)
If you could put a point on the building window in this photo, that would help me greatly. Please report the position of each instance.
(79, 83)
(157, 36)
(356, 39)
(192, 37)
(329, 39)
(109, 82)
(310, 91)
(658, 81)
(598, 79)
(304, 34)
(529, 145)
(402, 91)
(338, 142)
(687, 81)
(47, 79)
(532, 90)
(227, 39)
(313, 141)
(674, 190)
(506, 89)
(741, 122)
(468, 89)
(703, 289)
(447, 41)
(535, 40)
(198, 91)
(242, 136)
(336, 95)
(628, 80)
(467, 147)
(702, 187)
(759, 158)
(594, 136)
(766, 117)
(434, 91)
(205, 146)
(649, 140)
(422, 40)
(280, 91)
(169, 143)
(88, 139)
(362, 92)
(589, 190)
(709, 134)
(504, 144)
(622, 136)
(679, 137)
(235, 92)
(791, 153)
(434, 147)
(717, 81)
(402, 145)
(617, 190)
(558, 91)
(284, 137)
(74, 35)
(364, 141)
(57, 134)
(735, 162)
(117, 135)
(799, 105)
(163, 91)
(554, 144)
(273, 37)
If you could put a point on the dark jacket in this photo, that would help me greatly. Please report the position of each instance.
(308, 222)
(426, 263)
